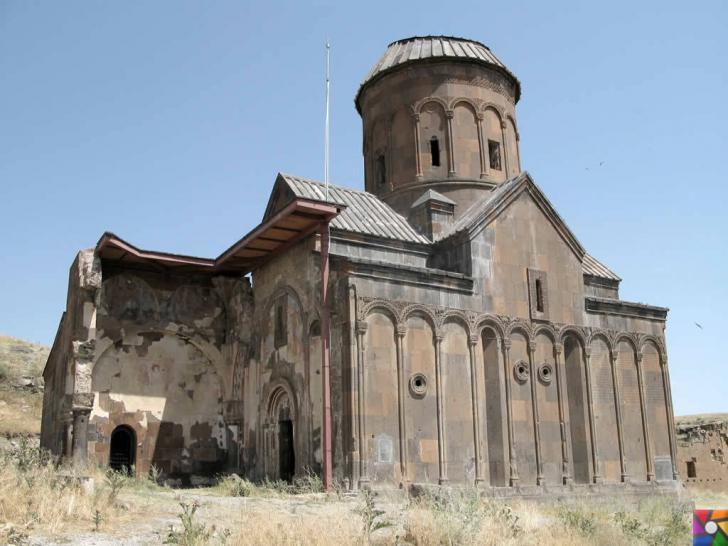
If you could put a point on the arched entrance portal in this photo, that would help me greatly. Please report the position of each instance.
(122, 454)
(281, 416)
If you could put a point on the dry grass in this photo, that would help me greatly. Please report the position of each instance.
(332, 525)
(20, 408)
(38, 499)
(705, 498)
(20, 411)
(19, 357)
(38, 496)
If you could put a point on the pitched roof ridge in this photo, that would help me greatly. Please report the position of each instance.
(323, 184)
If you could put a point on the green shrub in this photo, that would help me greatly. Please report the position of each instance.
(310, 482)
(235, 486)
(580, 521)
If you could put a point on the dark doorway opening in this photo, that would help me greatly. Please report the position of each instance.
(286, 456)
(122, 454)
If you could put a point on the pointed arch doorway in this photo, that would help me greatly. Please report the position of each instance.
(281, 419)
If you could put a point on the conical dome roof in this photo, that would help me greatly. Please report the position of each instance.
(427, 48)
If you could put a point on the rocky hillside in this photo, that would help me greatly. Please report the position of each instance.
(21, 386)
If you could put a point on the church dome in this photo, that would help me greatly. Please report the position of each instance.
(438, 113)
(417, 49)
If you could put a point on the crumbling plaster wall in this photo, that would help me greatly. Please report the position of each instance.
(154, 350)
(165, 358)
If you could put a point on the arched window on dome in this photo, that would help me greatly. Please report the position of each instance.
(381, 170)
(435, 151)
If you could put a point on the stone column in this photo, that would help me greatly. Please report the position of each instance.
(355, 453)
(512, 463)
(483, 146)
(667, 389)
(645, 425)
(361, 328)
(452, 171)
(80, 434)
(441, 448)
(418, 159)
(504, 152)
(613, 356)
(475, 393)
(534, 407)
(399, 334)
(590, 404)
(560, 390)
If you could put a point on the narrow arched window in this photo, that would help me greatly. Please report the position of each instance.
(494, 154)
(435, 151)
(381, 171)
(539, 296)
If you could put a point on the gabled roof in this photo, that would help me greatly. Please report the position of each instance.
(364, 213)
(482, 213)
(428, 48)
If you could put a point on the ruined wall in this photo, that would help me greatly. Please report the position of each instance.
(55, 423)
(164, 365)
(66, 400)
(702, 448)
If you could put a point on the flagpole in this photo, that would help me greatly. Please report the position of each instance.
(326, 125)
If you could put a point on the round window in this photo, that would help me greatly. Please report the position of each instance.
(418, 385)
(520, 370)
(545, 373)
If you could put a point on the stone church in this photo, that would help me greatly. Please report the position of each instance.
(443, 326)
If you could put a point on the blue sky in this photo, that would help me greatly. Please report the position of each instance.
(167, 121)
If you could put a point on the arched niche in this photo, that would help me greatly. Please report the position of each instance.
(605, 413)
(657, 411)
(283, 342)
(495, 409)
(522, 408)
(548, 408)
(493, 146)
(421, 400)
(457, 403)
(402, 157)
(466, 145)
(378, 157)
(433, 129)
(381, 398)
(632, 431)
(578, 412)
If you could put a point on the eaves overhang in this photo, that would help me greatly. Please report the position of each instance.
(296, 221)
